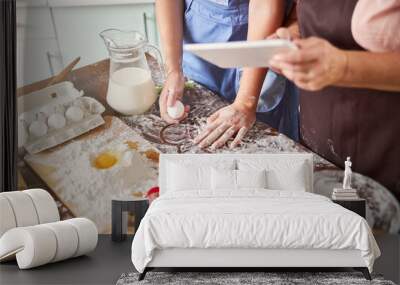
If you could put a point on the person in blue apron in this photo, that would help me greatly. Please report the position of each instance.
(253, 94)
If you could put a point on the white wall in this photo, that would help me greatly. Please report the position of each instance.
(51, 33)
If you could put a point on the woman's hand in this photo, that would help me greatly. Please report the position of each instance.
(289, 33)
(315, 65)
(231, 121)
(172, 91)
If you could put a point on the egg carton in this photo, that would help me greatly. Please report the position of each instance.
(55, 115)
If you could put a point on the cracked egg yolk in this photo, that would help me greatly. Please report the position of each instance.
(105, 160)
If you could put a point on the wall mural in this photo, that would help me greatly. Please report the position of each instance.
(85, 153)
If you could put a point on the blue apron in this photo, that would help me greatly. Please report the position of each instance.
(223, 21)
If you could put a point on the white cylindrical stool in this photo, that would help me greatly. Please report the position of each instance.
(87, 235)
(45, 205)
(7, 218)
(67, 240)
(23, 208)
(37, 245)
(33, 246)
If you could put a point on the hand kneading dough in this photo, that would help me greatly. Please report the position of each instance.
(38, 129)
(56, 121)
(176, 111)
(74, 114)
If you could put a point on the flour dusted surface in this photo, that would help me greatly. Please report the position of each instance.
(88, 190)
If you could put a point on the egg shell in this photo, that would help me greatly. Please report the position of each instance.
(176, 111)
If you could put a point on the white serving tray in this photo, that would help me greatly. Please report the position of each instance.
(240, 53)
(45, 102)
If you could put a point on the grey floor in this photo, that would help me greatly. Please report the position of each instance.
(102, 266)
(110, 260)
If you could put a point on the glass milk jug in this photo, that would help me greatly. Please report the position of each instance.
(131, 90)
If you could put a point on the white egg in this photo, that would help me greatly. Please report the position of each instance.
(176, 111)
(56, 121)
(74, 114)
(38, 129)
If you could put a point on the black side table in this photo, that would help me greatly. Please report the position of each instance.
(357, 205)
(119, 215)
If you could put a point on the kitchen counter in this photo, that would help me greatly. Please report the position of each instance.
(383, 211)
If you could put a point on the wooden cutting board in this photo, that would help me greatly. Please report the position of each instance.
(86, 173)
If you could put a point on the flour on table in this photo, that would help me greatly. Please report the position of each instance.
(88, 190)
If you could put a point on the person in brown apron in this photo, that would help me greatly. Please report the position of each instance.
(349, 97)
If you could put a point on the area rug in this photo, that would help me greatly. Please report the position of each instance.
(244, 278)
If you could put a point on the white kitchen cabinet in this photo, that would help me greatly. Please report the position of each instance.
(78, 27)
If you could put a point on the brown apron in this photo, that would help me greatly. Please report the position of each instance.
(340, 122)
